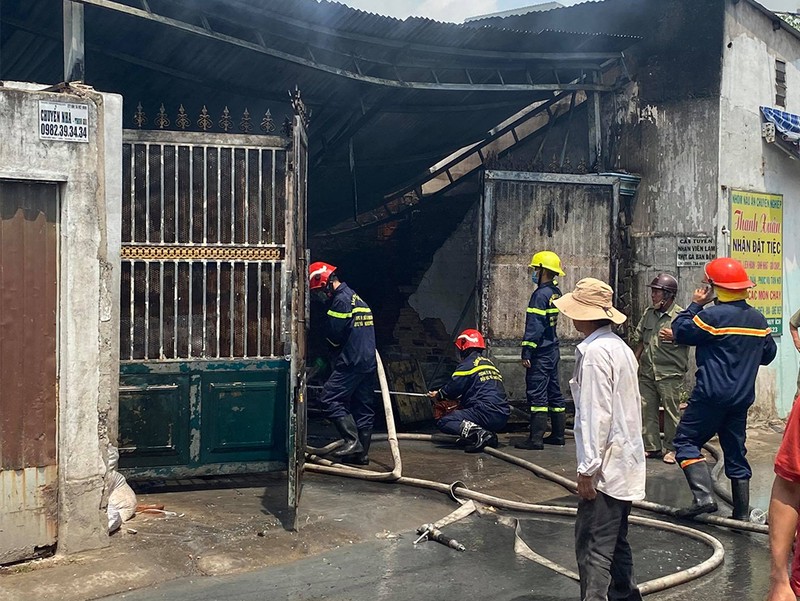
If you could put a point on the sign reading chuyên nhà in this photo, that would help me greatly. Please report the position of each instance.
(757, 241)
(65, 121)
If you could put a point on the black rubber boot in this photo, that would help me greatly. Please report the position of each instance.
(740, 491)
(469, 433)
(483, 438)
(558, 422)
(347, 430)
(699, 478)
(535, 441)
(362, 458)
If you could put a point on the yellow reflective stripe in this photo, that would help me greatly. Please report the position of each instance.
(340, 315)
(476, 370)
(730, 330)
(538, 409)
(558, 409)
(552, 310)
(362, 310)
(537, 311)
(530, 344)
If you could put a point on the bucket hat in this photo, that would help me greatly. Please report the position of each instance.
(592, 299)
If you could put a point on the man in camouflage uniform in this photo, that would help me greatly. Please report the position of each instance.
(662, 367)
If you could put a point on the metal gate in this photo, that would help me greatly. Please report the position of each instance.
(521, 213)
(213, 249)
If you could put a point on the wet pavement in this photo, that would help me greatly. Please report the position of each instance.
(355, 539)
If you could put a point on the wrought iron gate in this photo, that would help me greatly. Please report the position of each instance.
(203, 244)
(211, 260)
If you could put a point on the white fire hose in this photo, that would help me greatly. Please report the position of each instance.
(321, 465)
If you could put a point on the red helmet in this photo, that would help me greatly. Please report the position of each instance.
(318, 274)
(727, 273)
(470, 339)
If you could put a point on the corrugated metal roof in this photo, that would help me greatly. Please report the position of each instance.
(232, 53)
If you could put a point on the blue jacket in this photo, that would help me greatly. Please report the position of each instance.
(732, 340)
(351, 331)
(476, 382)
(540, 320)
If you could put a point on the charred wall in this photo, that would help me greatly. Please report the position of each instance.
(680, 51)
(388, 263)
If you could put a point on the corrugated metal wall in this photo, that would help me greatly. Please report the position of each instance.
(28, 386)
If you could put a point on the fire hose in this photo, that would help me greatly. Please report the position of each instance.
(320, 465)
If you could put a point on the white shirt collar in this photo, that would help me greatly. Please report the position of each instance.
(594, 335)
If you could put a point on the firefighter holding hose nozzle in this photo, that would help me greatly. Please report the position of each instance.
(482, 405)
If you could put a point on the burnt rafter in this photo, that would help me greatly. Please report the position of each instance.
(391, 77)
(351, 127)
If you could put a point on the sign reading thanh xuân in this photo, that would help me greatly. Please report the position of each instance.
(757, 241)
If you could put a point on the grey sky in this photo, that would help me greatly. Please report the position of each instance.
(441, 10)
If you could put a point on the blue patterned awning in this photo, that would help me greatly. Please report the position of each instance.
(787, 124)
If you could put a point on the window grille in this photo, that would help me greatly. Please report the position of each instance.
(202, 251)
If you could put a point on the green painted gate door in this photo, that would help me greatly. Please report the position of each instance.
(212, 304)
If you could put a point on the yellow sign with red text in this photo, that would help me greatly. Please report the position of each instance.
(757, 241)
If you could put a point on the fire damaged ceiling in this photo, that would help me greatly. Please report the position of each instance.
(388, 97)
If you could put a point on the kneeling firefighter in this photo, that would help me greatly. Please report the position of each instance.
(477, 384)
(540, 355)
(347, 397)
(732, 340)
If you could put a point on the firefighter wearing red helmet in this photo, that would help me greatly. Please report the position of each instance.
(732, 340)
(477, 385)
(662, 367)
(347, 395)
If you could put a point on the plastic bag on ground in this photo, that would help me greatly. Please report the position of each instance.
(121, 499)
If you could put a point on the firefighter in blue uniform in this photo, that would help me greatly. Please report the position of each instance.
(477, 384)
(347, 397)
(540, 355)
(732, 339)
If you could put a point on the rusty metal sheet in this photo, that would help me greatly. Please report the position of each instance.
(28, 389)
(28, 277)
(523, 213)
(571, 218)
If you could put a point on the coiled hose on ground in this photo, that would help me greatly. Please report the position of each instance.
(321, 465)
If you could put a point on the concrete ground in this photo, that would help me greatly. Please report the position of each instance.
(355, 538)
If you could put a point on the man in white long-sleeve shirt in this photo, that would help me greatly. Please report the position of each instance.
(611, 460)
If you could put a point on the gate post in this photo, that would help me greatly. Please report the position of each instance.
(74, 65)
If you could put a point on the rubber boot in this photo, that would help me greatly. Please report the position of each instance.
(483, 438)
(362, 458)
(699, 478)
(469, 433)
(535, 441)
(347, 430)
(558, 422)
(740, 491)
